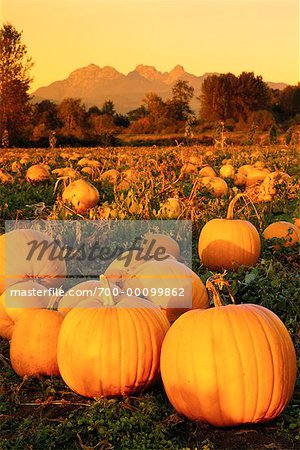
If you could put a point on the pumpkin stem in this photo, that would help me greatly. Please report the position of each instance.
(233, 202)
(231, 206)
(219, 281)
(107, 299)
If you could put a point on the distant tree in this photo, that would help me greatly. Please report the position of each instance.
(46, 112)
(226, 96)
(179, 105)
(156, 111)
(15, 80)
(108, 108)
(217, 97)
(72, 114)
(137, 113)
(94, 110)
(252, 94)
(121, 120)
(289, 101)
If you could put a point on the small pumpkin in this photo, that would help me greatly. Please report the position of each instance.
(215, 185)
(81, 195)
(228, 365)
(229, 243)
(207, 171)
(171, 208)
(227, 171)
(255, 176)
(33, 348)
(287, 231)
(37, 174)
(111, 176)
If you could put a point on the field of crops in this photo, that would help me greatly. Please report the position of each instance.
(153, 183)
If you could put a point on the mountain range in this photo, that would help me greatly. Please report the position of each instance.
(94, 85)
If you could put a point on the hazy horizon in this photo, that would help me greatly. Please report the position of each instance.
(203, 36)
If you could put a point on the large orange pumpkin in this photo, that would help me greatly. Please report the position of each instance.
(229, 365)
(113, 350)
(20, 260)
(33, 349)
(229, 243)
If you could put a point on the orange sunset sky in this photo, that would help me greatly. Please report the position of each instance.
(202, 35)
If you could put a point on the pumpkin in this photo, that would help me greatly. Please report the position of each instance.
(228, 365)
(87, 170)
(124, 262)
(94, 163)
(227, 171)
(81, 195)
(195, 160)
(268, 186)
(287, 231)
(207, 171)
(296, 221)
(240, 179)
(245, 169)
(5, 177)
(37, 174)
(169, 284)
(13, 305)
(215, 185)
(83, 162)
(130, 175)
(229, 243)
(111, 176)
(29, 261)
(87, 290)
(255, 176)
(113, 350)
(171, 208)
(153, 241)
(33, 348)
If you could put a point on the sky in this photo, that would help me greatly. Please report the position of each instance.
(201, 35)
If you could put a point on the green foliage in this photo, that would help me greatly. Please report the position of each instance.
(15, 81)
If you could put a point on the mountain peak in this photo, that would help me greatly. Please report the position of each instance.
(92, 71)
(178, 70)
(149, 72)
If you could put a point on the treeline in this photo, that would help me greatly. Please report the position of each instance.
(241, 103)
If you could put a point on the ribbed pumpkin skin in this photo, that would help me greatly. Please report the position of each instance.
(229, 365)
(111, 351)
(228, 244)
(33, 349)
(169, 274)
